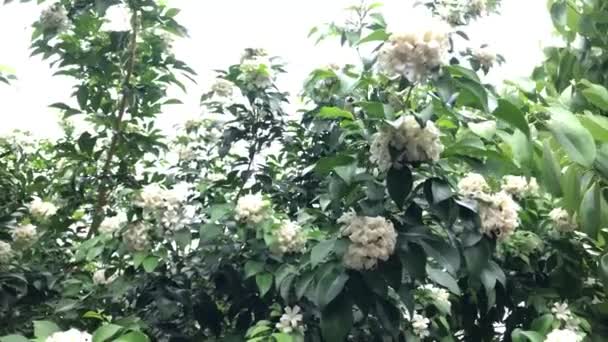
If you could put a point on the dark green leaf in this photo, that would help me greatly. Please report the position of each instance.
(572, 136)
(399, 183)
(509, 113)
(337, 320)
(590, 211)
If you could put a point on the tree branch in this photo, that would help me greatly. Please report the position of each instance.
(104, 186)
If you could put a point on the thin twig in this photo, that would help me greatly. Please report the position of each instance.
(104, 186)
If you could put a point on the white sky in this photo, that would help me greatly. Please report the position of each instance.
(220, 30)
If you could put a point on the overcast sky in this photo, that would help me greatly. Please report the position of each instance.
(220, 30)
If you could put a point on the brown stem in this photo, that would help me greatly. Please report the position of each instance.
(104, 186)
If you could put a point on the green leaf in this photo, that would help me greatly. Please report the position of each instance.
(282, 337)
(519, 335)
(134, 336)
(44, 329)
(303, 283)
(551, 171)
(13, 338)
(543, 324)
(330, 286)
(444, 254)
(444, 279)
(150, 263)
(327, 164)
(138, 258)
(320, 251)
(183, 238)
(399, 183)
(335, 113)
(572, 136)
(571, 187)
(209, 232)
(477, 257)
(509, 113)
(373, 109)
(590, 211)
(337, 320)
(253, 267)
(603, 271)
(596, 94)
(596, 125)
(264, 282)
(378, 35)
(485, 129)
(105, 332)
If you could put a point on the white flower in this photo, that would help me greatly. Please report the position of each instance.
(485, 56)
(562, 220)
(42, 209)
(414, 54)
(152, 197)
(291, 321)
(420, 324)
(255, 71)
(473, 185)
(6, 253)
(477, 7)
(24, 236)
(136, 237)
(411, 141)
(111, 224)
(562, 335)
(72, 335)
(562, 312)
(372, 239)
(54, 19)
(290, 238)
(437, 294)
(251, 208)
(379, 150)
(222, 87)
(99, 277)
(499, 215)
(519, 186)
(117, 18)
(187, 153)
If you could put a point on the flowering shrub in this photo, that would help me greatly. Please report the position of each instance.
(411, 201)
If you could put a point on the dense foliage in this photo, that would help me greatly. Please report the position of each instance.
(409, 200)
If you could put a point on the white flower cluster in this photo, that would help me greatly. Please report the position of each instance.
(372, 239)
(414, 54)
(42, 209)
(473, 185)
(109, 225)
(168, 206)
(563, 335)
(222, 88)
(6, 253)
(99, 277)
(456, 12)
(437, 294)
(499, 216)
(54, 19)
(290, 238)
(72, 335)
(255, 71)
(136, 237)
(24, 236)
(562, 220)
(291, 321)
(519, 186)
(252, 208)
(420, 325)
(485, 57)
(117, 18)
(412, 141)
(498, 212)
